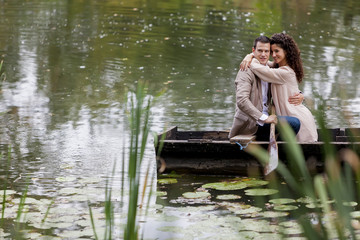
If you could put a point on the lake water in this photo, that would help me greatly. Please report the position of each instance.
(70, 64)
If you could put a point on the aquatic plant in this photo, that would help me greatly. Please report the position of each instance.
(140, 128)
(5, 183)
(329, 193)
(2, 75)
(139, 116)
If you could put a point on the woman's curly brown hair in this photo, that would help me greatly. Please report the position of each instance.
(292, 53)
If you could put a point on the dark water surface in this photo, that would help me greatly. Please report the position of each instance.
(69, 66)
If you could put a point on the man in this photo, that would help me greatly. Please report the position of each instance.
(253, 99)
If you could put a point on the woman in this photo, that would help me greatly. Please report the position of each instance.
(288, 70)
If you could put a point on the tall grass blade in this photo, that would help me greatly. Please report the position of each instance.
(47, 211)
(139, 117)
(92, 221)
(5, 183)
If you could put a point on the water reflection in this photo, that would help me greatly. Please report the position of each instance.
(69, 65)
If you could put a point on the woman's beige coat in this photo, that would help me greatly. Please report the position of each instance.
(284, 86)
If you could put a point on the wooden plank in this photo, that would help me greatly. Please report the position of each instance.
(169, 133)
(242, 139)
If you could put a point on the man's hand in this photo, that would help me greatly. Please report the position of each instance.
(271, 119)
(297, 99)
(245, 64)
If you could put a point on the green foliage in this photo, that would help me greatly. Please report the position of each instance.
(330, 192)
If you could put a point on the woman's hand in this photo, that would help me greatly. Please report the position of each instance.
(245, 64)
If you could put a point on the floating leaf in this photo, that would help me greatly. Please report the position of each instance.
(161, 193)
(237, 185)
(3, 234)
(246, 211)
(355, 214)
(257, 226)
(312, 205)
(260, 192)
(295, 238)
(69, 191)
(90, 180)
(191, 209)
(173, 174)
(8, 192)
(174, 229)
(350, 204)
(305, 200)
(285, 207)
(192, 195)
(289, 224)
(268, 236)
(65, 179)
(273, 214)
(292, 231)
(247, 235)
(228, 197)
(255, 182)
(240, 208)
(282, 200)
(167, 181)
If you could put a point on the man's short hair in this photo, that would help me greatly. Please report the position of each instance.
(262, 39)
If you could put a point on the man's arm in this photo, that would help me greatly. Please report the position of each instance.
(244, 85)
(296, 99)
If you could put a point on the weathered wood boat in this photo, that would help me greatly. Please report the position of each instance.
(212, 152)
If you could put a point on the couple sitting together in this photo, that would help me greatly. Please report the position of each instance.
(260, 80)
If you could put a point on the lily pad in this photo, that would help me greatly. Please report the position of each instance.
(90, 180)
(65, 179)
(68, 191)
(7, 192)
(312, 205)
(3, 234)
(237, 185)
(355, 214)
(192, 195)
(250, 210)
(282, 201)
(255, 182)
(290, 224)
(175, 229)
(240, 208)
(260, 192)
(292, 231)
(305, 200)
(350, 204)
(273, 214)
(285, 207)
(173, 174)
(295, 238)
(247, 235)
(161, 193)
(261, 226)
(228, 197)
(268, 236)
(167, 180)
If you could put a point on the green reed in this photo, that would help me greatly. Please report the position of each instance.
(330, 190)
(2, 75)
(139, 125)
(5, 183)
